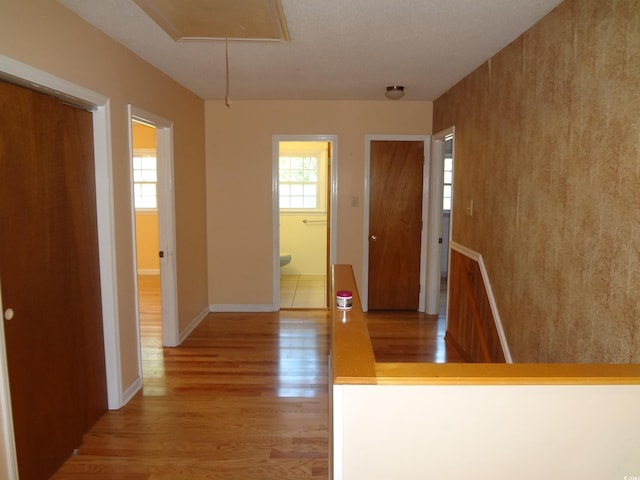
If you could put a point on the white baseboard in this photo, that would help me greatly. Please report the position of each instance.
(241, 308)
(148, 271)
(131, 391)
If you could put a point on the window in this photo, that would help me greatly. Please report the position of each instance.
(300, 183)
(448, 174)
(145, 180)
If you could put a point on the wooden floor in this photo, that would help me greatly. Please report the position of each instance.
(244, 397)
(409, 337)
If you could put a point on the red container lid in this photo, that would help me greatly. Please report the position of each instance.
(344, 293)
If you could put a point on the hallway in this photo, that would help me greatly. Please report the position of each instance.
(244, 397)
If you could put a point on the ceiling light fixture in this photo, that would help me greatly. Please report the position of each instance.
(394, 92)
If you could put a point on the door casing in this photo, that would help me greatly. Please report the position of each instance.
(166, 228)
(333, 196)
(425, 205)
(23, 74)
(435, 220)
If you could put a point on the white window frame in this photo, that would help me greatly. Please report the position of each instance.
(141, 153)
(321, 194)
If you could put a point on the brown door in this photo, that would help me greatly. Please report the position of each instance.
(50, 277)
(395, 224)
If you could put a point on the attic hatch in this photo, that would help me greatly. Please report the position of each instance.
(193, 20)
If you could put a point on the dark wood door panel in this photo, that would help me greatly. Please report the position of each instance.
(395, 224)
(50, 276)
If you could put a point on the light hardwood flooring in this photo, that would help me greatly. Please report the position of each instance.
(409, 337)
(244, 397)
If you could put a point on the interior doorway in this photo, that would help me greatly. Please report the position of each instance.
(419, 164)
(395, 224)
(145, 194)
(49, 260)
(33, 78)
(440, 221)
(153, 217)
(303, 178)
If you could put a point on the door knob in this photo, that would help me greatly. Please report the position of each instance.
(373, 237)
(8, 314)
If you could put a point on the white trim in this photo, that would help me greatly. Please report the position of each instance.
(42, 81)
(333, 207)
(132, 389)
(6, 415)
(107, 251)
(492, 301)
(166, 224)
(148, 271)
(434, 247)
(39, 80)
(193, 324)
(425, 139)
(218, 307)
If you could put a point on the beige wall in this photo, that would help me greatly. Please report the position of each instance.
(147, 235)
(547, 147)
(305, 242)
(239, 187)
(144, 136)
(147, 246)
(45, 35)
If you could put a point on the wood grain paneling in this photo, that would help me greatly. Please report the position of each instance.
(471, 328)
(547, 147)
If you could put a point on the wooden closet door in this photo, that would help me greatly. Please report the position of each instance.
(50, 277)
(395, 224)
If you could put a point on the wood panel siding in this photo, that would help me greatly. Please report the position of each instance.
(471, 328)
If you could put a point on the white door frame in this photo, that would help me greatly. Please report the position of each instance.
(30, 77)
(333, 200)
(166, 227)
(364, 294)
(434, 254)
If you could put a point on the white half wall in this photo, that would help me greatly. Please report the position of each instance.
(524, 432)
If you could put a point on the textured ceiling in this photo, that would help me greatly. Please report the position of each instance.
(338, 49)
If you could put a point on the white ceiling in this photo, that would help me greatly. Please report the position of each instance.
(339, 49)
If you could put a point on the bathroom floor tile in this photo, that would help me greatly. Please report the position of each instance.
(302, 291)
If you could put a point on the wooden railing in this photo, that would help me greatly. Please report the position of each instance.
(585, 409)
(471, 326)
(353, 361)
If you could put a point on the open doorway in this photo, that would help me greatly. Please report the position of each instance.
(144, 162)
(447, 202)
(440, 221)
(302, 217)
(153, 223)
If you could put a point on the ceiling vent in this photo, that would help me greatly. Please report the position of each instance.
(197, 20)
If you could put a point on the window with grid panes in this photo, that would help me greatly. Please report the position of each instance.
(145, 180)
(447, 190)
(300, 182)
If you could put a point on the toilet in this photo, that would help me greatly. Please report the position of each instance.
(285, 259)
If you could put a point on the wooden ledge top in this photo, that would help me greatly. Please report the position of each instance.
(351, 352)
(506, 374)
(353, 361)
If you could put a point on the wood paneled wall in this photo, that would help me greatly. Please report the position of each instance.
(547, 147)
(471, 328)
